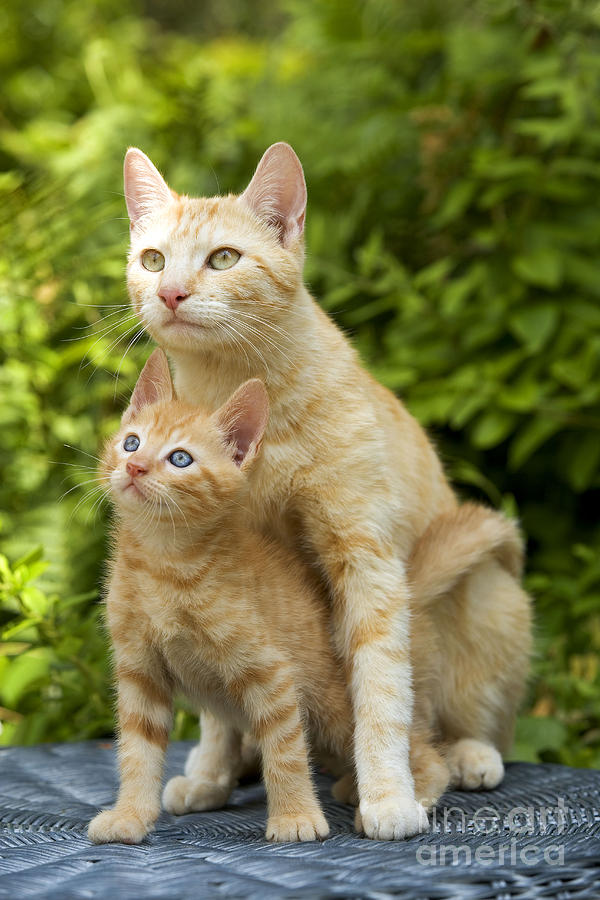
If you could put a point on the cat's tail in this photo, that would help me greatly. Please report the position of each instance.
(457, 541)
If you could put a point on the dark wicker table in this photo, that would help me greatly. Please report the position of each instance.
(536, 836)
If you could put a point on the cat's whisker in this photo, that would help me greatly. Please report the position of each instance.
(95, 361)
(227, 324)
(102, 332)
(277, 347)
(111, 315)
(101, 305)
(263, 337)
(139, 334)
(229, 328)
(253, 317)
(120, 337)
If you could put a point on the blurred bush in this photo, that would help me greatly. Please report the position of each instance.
(451, 154)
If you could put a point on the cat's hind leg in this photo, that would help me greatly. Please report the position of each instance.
(211, 771)
(486, 623)
(474, 765)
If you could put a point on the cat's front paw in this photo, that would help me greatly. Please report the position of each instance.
(303, 827)
(391, 820)
(185, 795)
(112, 826)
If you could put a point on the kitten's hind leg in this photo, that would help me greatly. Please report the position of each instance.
(212, 770)
(430, 771)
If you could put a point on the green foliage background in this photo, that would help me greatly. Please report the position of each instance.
(451, 149)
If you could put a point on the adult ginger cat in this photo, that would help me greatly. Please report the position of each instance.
(345, 471)
(200, 602)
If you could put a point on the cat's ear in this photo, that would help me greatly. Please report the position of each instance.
(277, 192)
(153, 385)
(242, 420)
(145, 188)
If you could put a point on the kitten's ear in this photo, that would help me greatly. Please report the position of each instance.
(243, 419)
(145, 188)
(277, 192)
(153, 385)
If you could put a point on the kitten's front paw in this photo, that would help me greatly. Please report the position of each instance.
(185, 795)
(391, 820)
(112, 826)
(304, 827)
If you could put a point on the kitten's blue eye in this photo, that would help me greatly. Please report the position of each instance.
(131, 442)
(180, 458)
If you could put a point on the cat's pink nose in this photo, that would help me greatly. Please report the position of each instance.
(135, 469)
(172, 297)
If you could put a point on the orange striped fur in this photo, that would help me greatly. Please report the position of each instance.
(347, 474)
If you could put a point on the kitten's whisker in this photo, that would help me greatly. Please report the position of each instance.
(87, 496)
(172, 519)
(79, 450)
(76, 486)
(181, 512)
(96, 507)
(56, 462)
(249, 512)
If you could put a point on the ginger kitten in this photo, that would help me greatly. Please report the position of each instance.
(200, 602)
(347, 473)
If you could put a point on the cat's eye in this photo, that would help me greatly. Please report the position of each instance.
(153, 260)
(131, 443)
(180, 458)
(224, 258)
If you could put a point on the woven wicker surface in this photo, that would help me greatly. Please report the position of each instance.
(49, 793)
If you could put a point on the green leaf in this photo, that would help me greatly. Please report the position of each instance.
(534, 735)
(530, 437)
(542, 267)
(584, 462)
(492, 428)
(535, 326)
(23, 672)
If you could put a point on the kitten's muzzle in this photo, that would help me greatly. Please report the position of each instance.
(136, 468)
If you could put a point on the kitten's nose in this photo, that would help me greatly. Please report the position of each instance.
(135, 469)
(172, 296)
